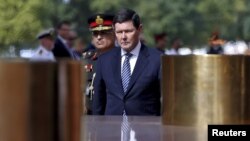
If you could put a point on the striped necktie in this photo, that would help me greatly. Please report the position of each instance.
(126, 73)
(125, 128)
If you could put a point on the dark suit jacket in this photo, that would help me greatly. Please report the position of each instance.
(60, 50)
(143, 94)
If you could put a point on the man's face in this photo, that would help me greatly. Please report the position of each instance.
(64, 31)
(48, 43)
(104, 39)
(163, 42)
(127, 35)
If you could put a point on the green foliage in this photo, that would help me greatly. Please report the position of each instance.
(18, 24)
(21, 20)
(191, 20)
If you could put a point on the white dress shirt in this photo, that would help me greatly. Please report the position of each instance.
(69, 49)
(133, 58)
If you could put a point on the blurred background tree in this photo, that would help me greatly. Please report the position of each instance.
(18, 23)
(191, 20)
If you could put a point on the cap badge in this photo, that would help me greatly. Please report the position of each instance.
(99, 20)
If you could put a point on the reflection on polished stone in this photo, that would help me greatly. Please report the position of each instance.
(40, 100)
(143, 128)
(205, 89)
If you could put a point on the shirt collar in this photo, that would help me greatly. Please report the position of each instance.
(135, 51)
(62, 39)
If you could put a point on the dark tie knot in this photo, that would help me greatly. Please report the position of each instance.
(128, 55)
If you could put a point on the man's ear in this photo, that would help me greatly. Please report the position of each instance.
(140, 28)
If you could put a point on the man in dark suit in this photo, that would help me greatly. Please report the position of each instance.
(61, 48)
(127, 77)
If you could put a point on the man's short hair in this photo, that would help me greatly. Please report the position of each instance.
(61, 23)
(126, 14)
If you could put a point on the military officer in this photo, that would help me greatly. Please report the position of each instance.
(46, 44)
(103, 39)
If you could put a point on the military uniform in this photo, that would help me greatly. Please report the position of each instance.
(43, 54)
(44, 51)
(90, 58)
(99, 24)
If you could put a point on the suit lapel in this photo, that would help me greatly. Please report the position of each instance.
(117, 71)
(139, 66)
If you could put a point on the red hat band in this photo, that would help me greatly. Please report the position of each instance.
(104, 23)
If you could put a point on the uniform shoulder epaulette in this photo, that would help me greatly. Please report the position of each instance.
(88, 54)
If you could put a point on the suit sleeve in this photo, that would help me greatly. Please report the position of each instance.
(99, 98)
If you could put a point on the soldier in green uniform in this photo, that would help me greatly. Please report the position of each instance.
(103, 39)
